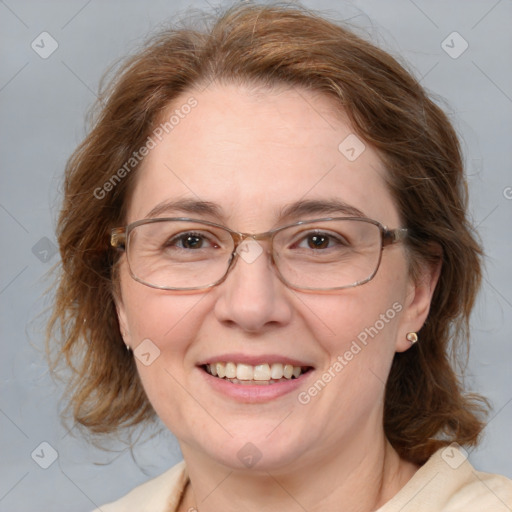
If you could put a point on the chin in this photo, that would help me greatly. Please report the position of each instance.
(256, 453)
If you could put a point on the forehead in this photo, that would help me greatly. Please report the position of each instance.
(255, 152)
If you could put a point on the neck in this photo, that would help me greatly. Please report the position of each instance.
(359, 478)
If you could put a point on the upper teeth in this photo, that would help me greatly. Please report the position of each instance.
(264, 371)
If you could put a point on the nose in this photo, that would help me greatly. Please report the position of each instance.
(252, 297)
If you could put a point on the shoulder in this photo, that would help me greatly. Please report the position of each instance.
(482, 491)
(160, 494)
(449, 483)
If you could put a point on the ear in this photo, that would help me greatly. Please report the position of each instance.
(122, 318)
(417, 303)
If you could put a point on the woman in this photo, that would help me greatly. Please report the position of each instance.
(264, 242)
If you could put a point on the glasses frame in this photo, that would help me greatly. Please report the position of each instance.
(120, 237)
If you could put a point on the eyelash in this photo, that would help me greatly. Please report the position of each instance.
(337, 239)
(181, 237)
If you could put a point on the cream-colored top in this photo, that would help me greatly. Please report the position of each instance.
(443, 484)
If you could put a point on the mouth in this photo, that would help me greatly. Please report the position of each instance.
(260, 375)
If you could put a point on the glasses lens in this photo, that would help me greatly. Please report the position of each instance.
(179, 254)
(328, 254)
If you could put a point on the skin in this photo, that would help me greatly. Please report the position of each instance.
(252, 152)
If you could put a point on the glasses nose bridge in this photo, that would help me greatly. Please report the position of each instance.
(239, 238)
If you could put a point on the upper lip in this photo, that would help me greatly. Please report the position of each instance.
(253, 360)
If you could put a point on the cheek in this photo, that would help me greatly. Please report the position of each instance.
(162, 328)
(357, 334)
(364, 311)
(356, 325)
(156, 314)
(359, 327)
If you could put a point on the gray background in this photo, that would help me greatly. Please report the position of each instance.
(43, 104)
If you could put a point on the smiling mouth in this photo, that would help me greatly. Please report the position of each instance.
(261, 374)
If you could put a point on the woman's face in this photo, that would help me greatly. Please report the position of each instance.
(253, 154)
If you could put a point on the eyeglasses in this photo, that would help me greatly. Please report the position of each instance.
(321, 254)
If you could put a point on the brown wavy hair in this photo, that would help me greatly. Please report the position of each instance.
(426, 406)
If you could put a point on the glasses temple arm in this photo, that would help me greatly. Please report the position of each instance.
(392, 236)
(118, 238)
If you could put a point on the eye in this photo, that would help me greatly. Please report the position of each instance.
(321, 240)
(191, 241)
(317, 241)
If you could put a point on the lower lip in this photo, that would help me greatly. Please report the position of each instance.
(254, 393)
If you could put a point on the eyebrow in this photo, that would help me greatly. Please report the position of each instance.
(319, 207)
(188, 206)
(298, 209)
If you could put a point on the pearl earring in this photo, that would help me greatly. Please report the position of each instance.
(412, 337)
(123, 334)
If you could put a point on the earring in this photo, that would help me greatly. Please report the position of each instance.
(123, 334)
(412, 337)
